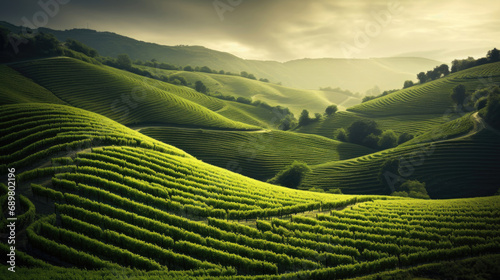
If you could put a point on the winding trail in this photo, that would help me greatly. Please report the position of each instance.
(479, 125)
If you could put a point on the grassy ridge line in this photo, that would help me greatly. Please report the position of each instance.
(249, 114)
(259, 155)
(432, 97)
(211, 103)
(295, 99)
(119, 95)
(18, 89)
(463, 126)
(28, 141)
(413, 110)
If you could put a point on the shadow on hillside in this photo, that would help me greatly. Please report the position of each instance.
(348, 150)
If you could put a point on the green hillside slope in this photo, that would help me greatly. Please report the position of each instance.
(33, 132)
(131, 202)
(15, 88)
(259, 154)
(432, 97)
(249, 114)
(295, 99)
(450, 164)
(121, 96)
(414, 110)
(413, 124)
(387, 73)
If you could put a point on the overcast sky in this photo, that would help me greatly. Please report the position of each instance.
(285, 29)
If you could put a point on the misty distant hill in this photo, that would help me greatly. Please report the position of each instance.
(357, 75)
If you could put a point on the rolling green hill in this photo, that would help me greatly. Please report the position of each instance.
(414, 110)
(451, 165)
(123, 96)
(18, 89)
(295, 99)
(98, 195)
(431, 97)
(258, 154)
(119, 176)
(413, 124)
(387, 73)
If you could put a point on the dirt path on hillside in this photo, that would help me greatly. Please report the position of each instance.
(478, 125)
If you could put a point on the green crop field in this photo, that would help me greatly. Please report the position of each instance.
(250, 114)
(98, 195)
(413, 110)
(108, 174)
(120, 96)
(295, 99)
(18, 89)
(259, 154)
(452, 162)
(432, 97)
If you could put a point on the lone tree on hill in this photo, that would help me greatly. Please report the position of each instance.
(388, 139)
(330, 110)
(443, 69)
(412, 188)
(408, 83)
(200, 87)
(292, 175)
(389, 174)
(458, 95)
(206, 69)
(493, 55)
(422, 78)
(492, 109)
(341, 135)
(304, 117)
(124, 61)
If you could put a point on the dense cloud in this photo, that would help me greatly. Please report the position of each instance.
(287, 29)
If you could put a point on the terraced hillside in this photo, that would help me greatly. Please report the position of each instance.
(250, 114)
(455, 160)
(122, 96)
(97, 195)
(257, 154)
(18, 89)
(432, 97)
(126, 97)
(295, 99)
(413, 124)
(33, 132)
(415, 109)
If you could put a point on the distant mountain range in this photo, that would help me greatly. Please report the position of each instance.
(357, 75)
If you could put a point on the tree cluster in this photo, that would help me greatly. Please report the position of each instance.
(491, 111)
(292, 175)
(438, 72)
(456, 65)
(367, 133)
(14, 47)
(338, 89)
(462, 64)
